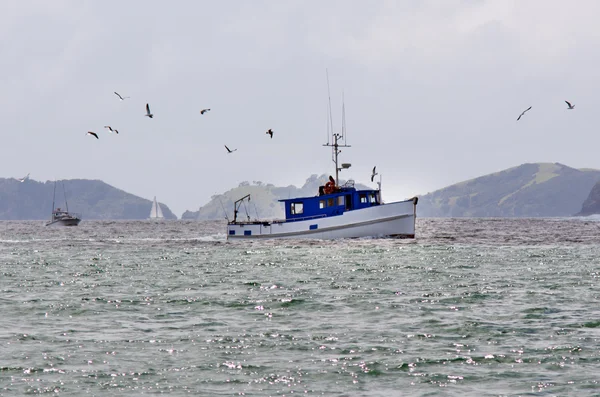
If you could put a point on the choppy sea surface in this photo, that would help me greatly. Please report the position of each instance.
(471, 307)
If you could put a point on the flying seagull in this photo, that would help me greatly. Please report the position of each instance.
(518, 118)
(229, 150)
(111, 129)
(26, 177)
(373, 173)
(270, 132)
(121, 97)
(93, 134)
(570, 107)
(148, 111)
(204, 111)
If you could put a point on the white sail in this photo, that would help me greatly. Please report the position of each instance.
(156, 211)
(159, 213)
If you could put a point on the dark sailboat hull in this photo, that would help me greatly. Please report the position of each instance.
(64, 222)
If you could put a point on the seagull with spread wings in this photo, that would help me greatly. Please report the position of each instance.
(524, 111)
(92, 134)
(204, 111)
(373, 174)
(229, 150)
(121, 97)
(570, 107)
(26, 177)
(111, 129)
(270, 132)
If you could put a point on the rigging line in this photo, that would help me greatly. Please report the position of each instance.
(246, 209)
(255, 210)
(222, 206)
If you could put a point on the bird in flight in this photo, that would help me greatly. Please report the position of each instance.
(570, 107)
(229, 150)
(121, 97)
(93, 134)
(524, 111)
(204, 111)
(26, 177)
(111, 129)
(270, 132)
(148, 111)
(373, 174)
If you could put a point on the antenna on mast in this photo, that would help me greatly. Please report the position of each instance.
(337, 138)
(343, 118)
(330, 117)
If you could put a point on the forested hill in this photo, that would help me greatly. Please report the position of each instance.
(528, 190)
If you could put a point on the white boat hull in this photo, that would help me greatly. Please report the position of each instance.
(385, 220)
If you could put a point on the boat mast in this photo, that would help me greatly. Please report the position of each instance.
(53, 197)
(335, 152)
(65, 194)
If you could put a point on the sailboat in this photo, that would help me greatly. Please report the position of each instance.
(156, 212)
(62, 217)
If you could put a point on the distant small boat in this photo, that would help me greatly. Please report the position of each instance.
(156, 212)
(62, 217)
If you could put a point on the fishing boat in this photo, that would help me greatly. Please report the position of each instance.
(155, 211)
(335, 212)
(62, 217)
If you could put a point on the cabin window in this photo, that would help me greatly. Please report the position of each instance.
(330, 202)
(372, 198)
(297, 208)
(322, 204)
(363, 198)
(340, 200)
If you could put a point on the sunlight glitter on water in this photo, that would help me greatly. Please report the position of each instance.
(479, 307)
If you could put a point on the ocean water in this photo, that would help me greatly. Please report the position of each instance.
(471, 307)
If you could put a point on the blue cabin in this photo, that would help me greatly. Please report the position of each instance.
(324, 205)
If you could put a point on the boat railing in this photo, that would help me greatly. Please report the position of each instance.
(304, 218)
(349, 183)
(265, 222)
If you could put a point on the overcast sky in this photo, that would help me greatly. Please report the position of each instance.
(432, 91)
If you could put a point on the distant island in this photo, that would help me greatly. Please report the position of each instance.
(528, 190)
(591, 205)
(93, 199)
